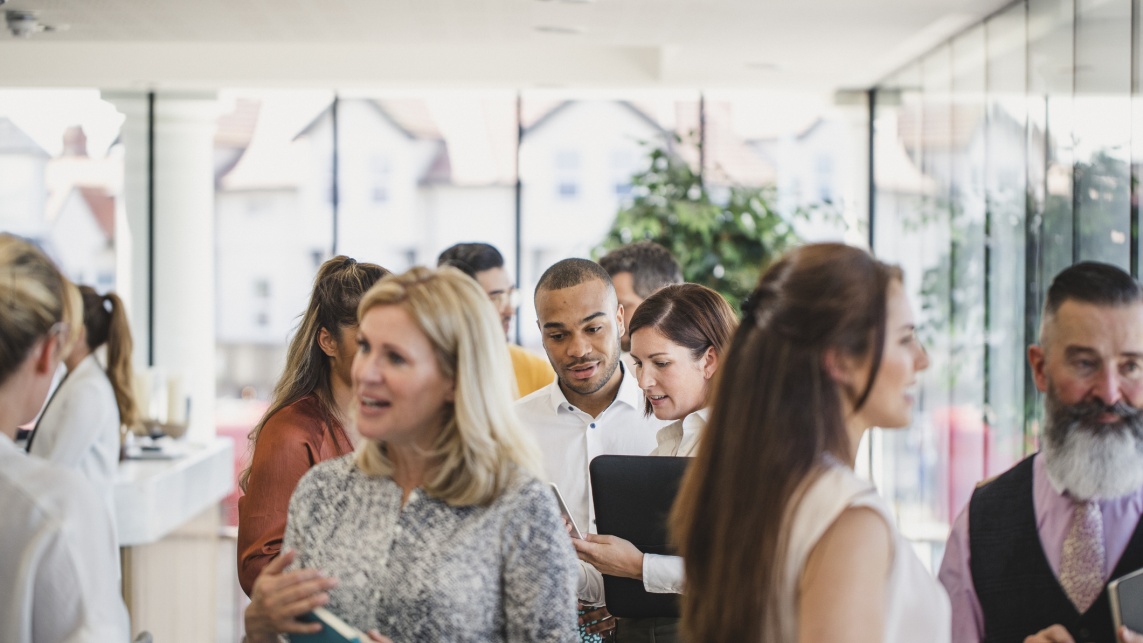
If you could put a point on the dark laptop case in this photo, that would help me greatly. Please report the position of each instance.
(633, 497)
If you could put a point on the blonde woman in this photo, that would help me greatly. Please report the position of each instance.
(437, 528)
(59, 568)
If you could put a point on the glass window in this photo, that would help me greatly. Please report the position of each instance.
(1103, 131)
(62, 181)
(586, 146)
(1006, 186)
(964, 420)
(273, 225)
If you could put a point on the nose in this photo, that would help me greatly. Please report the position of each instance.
(921, 360)
(578, 346)
(643, 376)
(366, 369)
(1106, 387)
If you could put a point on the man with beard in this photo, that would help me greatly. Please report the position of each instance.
(594, 407)
(1032, 553)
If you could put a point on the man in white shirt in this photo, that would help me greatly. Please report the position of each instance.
(594, 407)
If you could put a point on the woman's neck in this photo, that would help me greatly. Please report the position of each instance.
(76, 356)
(343, 404)
(411, 467)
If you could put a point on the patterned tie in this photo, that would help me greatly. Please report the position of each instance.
(1081, 566)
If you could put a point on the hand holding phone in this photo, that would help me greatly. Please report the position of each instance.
(573, 529)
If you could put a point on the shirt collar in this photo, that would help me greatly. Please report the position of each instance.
(629, 392)
(696, 421)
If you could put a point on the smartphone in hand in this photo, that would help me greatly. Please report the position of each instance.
(575, 532)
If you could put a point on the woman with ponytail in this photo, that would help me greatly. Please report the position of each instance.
(307, 419)
(59, 564)
(782, 541)
(80, 427)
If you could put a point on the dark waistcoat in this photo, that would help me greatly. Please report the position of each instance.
(1019, 595)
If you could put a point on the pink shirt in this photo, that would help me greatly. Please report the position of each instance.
(1053, 519)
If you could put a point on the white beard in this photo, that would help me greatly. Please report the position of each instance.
(1092, 463)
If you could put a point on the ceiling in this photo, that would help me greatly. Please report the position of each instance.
(815, 45)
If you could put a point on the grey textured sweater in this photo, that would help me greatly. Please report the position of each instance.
(430, 572)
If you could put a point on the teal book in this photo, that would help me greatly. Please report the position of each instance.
(334, 630)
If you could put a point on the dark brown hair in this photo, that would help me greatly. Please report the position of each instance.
(776, 412)
(105, 320)
(651, 266)
(1092, 282)
(338, 288)
(690, 315)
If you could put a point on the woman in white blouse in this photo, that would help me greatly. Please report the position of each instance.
(80, 426)
(59, 565)
(677, 338)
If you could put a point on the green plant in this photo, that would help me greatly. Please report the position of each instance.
(723, 243)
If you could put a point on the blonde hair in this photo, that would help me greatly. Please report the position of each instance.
(481, 446)
(33, 300)
(73, 299)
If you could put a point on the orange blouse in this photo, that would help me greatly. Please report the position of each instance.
(294, 439)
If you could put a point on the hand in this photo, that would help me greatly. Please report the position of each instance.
(374, 635)
(1127, 636)
(611, 555)
(568, 527)
(1053, 634)
(280, 597)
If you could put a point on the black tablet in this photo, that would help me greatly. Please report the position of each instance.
(633, 496)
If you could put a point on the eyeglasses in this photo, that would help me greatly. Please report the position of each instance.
(503, 298)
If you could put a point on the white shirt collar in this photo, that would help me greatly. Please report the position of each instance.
(629, 393)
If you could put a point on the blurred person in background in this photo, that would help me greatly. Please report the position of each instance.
(81, 425)
(485, 264)
(59, 565)
(308, 419)
(781, 541)
(678, 337)
(637, 270)
(437, 529)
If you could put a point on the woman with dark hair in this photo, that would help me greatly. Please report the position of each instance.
(307, 421)
(678, 336)
(80, 427)
(59, 565)
(781, 540)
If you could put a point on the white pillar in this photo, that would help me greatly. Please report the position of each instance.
(180, 291)
(132, 225)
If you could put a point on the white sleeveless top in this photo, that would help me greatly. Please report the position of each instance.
(917, 607)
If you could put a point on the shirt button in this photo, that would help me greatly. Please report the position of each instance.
(593, 425)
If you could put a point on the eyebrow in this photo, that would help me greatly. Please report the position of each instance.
(590, 317)
(1073, 351)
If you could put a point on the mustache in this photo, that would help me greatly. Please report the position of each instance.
(581, 362)
(1087, 413)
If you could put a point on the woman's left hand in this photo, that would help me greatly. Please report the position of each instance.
(611, 555)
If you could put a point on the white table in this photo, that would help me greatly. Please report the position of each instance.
(167, 512)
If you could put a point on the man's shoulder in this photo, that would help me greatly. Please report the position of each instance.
(536, 401)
